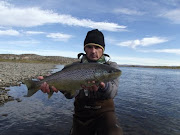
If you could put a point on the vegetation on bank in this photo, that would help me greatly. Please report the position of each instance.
(162, 67)
(33, 58)
(36, 61)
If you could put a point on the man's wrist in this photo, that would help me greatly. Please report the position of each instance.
(103, 89)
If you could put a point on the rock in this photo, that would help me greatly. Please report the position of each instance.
(12, 74)
(18, 100)
(10, 98)
(2, 98)
(7, 90)
(3, 88)
(5, 115)
(5, 97)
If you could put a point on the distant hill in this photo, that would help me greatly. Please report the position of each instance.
(142, 66)
(33, 58)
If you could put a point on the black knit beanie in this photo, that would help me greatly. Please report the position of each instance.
(95, 37)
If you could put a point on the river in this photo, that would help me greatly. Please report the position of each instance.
(148, 103)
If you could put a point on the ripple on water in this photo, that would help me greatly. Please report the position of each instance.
(148, 103)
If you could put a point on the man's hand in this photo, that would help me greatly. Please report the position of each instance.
(94, 87)
(45, 87)
(40, 77)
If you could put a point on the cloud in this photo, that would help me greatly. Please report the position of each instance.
(127, 11)
(173, 15)
(59, 36)
(34, 16)
(143, 42)
(55, 36)
(34, 32)
(20, 43)
(9, 32)
(174, 51)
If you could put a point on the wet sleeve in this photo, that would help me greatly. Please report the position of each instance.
(111, 88)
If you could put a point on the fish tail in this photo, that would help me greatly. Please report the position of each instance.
(31, 86)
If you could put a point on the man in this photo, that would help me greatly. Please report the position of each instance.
(94, 112)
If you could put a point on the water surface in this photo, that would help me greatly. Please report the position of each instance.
(148, 103)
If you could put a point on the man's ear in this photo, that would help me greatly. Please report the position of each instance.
(85, 49)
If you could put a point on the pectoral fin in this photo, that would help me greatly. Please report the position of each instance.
(51, 93)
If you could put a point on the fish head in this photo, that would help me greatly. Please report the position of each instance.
(114, 73)
(107, 73)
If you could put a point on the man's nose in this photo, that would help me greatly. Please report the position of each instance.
(93, 49)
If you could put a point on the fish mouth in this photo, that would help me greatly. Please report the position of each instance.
(112, 75)
(116, 73)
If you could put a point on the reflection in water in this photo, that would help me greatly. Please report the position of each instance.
(148, 103)
(36, 114)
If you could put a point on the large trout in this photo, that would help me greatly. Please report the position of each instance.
(72, 77)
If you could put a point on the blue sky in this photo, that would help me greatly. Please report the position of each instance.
(140, 32)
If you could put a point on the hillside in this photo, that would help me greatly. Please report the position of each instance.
(33, 58)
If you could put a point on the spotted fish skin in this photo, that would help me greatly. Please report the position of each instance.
(72, 77)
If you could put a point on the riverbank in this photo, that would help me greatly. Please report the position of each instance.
(33, 58)
(15, 68)
(11, 74)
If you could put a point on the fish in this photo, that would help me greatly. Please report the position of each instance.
(73, 76)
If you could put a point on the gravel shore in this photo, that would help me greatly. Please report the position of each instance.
(13, 73)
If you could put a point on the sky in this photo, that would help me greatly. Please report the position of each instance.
(137, 32)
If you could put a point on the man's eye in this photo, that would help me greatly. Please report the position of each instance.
(97, 47)
(89, 46)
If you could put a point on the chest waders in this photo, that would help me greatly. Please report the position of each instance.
(92, 114)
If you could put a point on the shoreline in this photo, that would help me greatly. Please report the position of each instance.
(34, 58)
(12, 73)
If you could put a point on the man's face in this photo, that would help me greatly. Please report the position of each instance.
(93, 52)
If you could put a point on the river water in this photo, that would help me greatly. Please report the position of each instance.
(148, 103)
